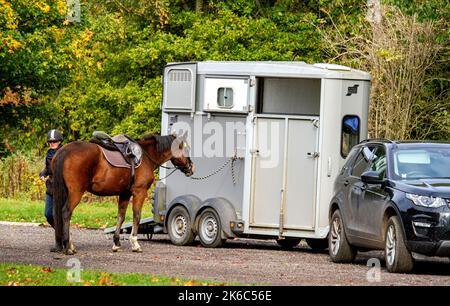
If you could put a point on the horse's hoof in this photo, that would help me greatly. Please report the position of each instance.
(72, 248)
(138, 250)
(116, 248)
(69, 252)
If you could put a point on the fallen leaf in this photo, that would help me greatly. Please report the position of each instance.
(11, 270)
(47, 270)
(189, 283)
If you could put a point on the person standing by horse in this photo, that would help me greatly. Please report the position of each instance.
(54, 139)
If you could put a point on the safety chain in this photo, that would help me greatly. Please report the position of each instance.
(231, 159)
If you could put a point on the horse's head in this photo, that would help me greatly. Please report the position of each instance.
(180, 155)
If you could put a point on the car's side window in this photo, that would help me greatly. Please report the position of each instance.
(363, 161)
(379, 163)
(350, 159)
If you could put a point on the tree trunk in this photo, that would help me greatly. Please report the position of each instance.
(374, 11)
(198, 6)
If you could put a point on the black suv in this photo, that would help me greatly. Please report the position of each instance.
(392, 196)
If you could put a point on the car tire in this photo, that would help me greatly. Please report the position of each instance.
(339, 249)
(288, 243)
(210, 229)
(398, 257)
(179, 226)
(317, 244)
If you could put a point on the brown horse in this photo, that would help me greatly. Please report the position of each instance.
(80, 166)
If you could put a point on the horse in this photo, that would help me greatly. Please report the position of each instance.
(80, 166)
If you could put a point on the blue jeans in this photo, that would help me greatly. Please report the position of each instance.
(49, 209)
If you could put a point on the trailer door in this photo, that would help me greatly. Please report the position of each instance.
(301, 174)
(284, 173)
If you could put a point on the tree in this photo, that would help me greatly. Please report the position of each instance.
(399, 51)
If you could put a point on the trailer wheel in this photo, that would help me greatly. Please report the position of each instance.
(179, 226)
(317, 244)
(210, 229)
(288, 243)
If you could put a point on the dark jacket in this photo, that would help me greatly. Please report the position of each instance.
(48, 170)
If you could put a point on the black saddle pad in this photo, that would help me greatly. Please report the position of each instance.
(105, 144)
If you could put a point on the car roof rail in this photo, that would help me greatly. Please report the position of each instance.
(377, 140)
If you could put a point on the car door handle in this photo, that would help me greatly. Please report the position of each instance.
(346, 182)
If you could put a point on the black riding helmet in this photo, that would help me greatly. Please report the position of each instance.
(54, 135)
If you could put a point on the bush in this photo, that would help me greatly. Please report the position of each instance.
(19, 177)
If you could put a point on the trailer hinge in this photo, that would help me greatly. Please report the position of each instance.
(315, 122)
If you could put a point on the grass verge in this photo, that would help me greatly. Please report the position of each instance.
(31, 275)
(87, 215)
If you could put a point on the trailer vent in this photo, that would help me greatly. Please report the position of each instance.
(180, 76)
(179, 88)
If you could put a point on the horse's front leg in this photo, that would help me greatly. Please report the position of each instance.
(138, 201)
(124, 199)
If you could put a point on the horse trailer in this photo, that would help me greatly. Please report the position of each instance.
(268, 140)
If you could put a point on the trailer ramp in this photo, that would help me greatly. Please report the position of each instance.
(147, 226)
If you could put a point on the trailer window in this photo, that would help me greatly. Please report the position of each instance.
(225, 97)
(350, 133)
(225, 94)
(289, 96)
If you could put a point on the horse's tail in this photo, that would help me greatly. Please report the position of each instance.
(59, 194)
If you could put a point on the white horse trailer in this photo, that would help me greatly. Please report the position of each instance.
(267, 138)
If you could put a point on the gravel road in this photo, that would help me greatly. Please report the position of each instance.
(240, 260)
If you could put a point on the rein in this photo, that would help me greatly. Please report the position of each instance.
(175, 168)
(158, 164)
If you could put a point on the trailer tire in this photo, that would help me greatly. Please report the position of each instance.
(288, 243)
(317, 244)
(179, 226)
(210, 229)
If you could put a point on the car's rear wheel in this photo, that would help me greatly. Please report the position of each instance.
(398, 257)
(339, 248)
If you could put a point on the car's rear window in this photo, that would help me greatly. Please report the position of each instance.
(424, 162)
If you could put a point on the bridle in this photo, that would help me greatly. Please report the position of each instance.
(184, 169)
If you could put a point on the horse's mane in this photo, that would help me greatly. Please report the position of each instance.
(162, 142)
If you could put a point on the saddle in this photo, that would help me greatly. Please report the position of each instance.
(120, 151)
